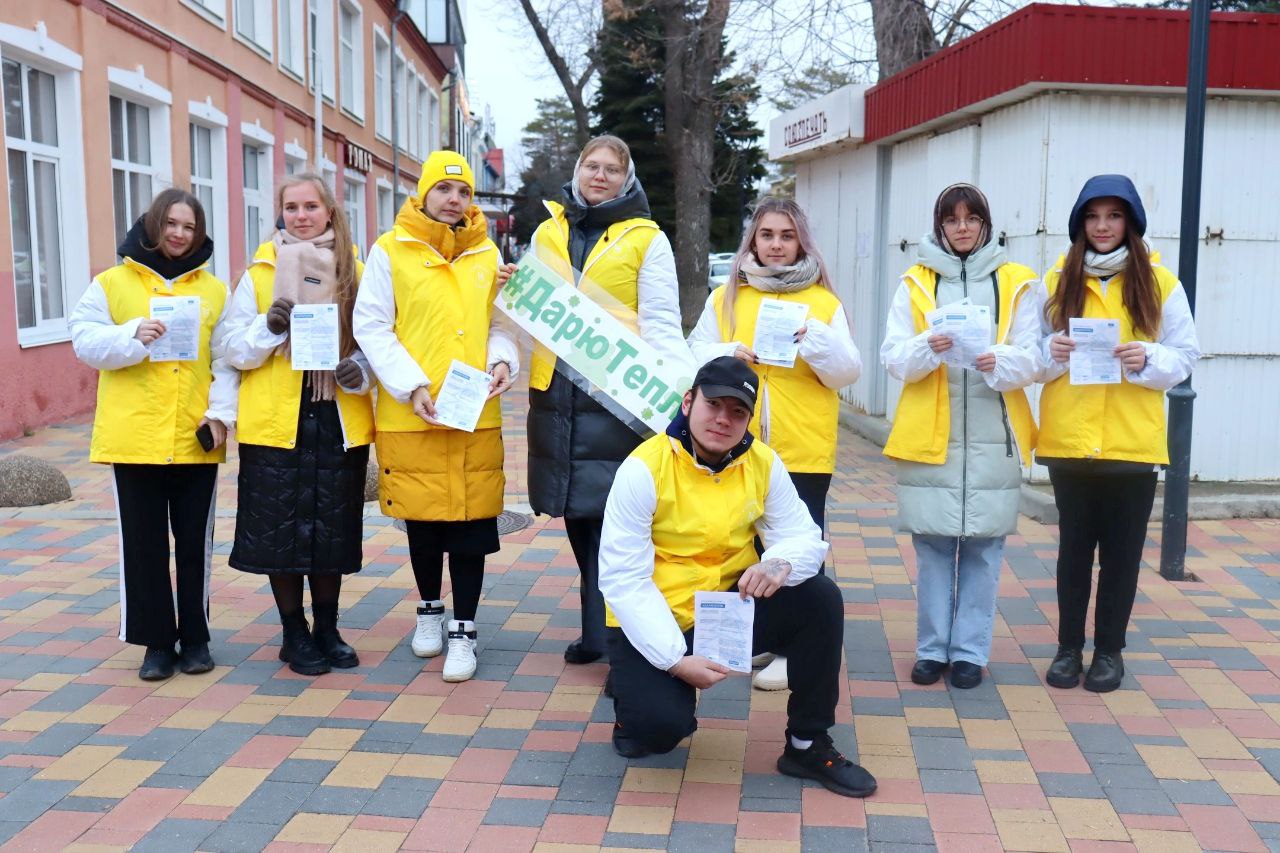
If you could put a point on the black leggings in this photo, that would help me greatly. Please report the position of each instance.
(287, 588)
(1108, 512)
(466, 573)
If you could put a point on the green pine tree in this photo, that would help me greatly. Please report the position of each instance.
(551, 148)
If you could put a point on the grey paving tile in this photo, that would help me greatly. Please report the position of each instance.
(1149, 801)
(511, 811)
(87, 804)
(1082, 785)
(334, 799)
(233, 837)
(1193, 793)
(899, 829)
(33, 798)
(941, 753)
(950, 782)
(824, 839)
(527, 770)
(635, 841)
(273, 803)
(689, 837)
(175, 835)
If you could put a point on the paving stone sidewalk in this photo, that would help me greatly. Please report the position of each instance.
(1185, 756)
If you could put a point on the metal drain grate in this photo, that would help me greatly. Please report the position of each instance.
(508, 522)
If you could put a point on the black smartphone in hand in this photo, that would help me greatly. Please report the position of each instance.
(204, 435)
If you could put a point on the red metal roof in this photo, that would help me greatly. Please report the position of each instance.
(1045, 44)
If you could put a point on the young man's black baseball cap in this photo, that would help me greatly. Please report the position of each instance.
(728, 376)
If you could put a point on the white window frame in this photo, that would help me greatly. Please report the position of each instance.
(433, 120)
(400, 102)
(205, 114)
(329, 173)
(263, 39)
(34, 48)
(134, 87)
(354, 109)
(255, 136)
(381, 90)
(385, 222)
(325, 20)
(295, 153)
(359, 228)
(291, 20)
(213, 11)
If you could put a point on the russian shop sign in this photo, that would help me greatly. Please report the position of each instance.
(589, 338)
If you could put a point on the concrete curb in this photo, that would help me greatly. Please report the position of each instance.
(1037, 503)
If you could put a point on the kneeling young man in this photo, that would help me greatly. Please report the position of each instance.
(682, 517)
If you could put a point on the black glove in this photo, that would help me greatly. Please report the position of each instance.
(349, 374)
(278, 316)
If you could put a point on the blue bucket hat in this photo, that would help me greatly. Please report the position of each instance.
(1102, 186)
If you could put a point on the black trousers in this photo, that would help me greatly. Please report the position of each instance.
(151, 500)
(805, 623)
(1108, 512)
(584, 538)
(812, 489)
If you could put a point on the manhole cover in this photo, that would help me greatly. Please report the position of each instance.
(508, 522)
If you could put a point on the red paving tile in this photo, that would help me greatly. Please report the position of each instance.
(463, 795)
(951, 842)
(708, 802)
(959, 813)
(482, 765)
(492, 839)
(53, 830)
(444, 829)
(265, 751)
(820, 807)
(1221, 828)
(769, 826)
(142, 809)
(573, 829)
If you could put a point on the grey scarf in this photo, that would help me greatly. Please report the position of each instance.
(1105, 266)
(798, 276)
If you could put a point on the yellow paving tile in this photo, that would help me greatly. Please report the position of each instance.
(95, 714)
(526, 621)
(361, 770)
(32, 721)
(1093, 820)
(1037, 838)
(1214, 743)
(315, 702)
(247, 712)
(759, 845)
(721, 744)
(886, 749)
(888, 730)
(889, 767)
(80, 763)
(1005, 772)
(45, 681)
(324, 738)
(454, 724)
(369, 841)
(511, 718)
(411, 709)
(192, 718)
(1131, 703)
(1164, 841)
(990, 734)
(652, 780)
(227, 786)
(583, 703)
(1026, 697)
(117, 778)
(310, 828)
(191, 686)
(334, 755)
(1039, 722)
(647, 820)
(935, 718)
(713, 770)
(422, 766)
(1247, 782)
(1023, 816)
(1217, 691)
(1173, 762)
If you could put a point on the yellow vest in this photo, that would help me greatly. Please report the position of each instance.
(1124, 421)
(922, 424)
(613, 265)
(704, 523)
(443, 312)
(271, 394)
(148, 414)
(804, 414)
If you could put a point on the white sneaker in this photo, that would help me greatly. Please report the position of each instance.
(460, 660)
(773, 676)
(428, 640)
(761, 660)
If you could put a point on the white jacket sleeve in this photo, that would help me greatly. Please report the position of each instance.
(373, 322)
(831, 352)
(787, 530)
(1049, 369)
(249, 343)
(502, 344)
(626, 567)
(658, 311)
(1170, 359)
(704, 341)
(1018, 360)
(905, 353)
(224, 393)
(98, 340)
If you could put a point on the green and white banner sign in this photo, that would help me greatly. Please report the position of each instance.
(590, 339)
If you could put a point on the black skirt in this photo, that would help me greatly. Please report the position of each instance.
(478, 536)
(301, 510)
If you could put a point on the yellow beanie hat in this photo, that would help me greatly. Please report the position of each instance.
(444, 166)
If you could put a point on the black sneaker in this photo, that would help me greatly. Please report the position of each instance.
(927, 671)
(575, 652)
(1065, 670)
(823, 763)
(1105, 673)
(195, 658)
(157, 664)
(625, 746)
(965, 675)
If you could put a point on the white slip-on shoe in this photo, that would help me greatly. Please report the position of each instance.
(762, 660)
(773, 676)
(428, 636)
(460, 659)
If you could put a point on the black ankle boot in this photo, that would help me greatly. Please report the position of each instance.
(1105, 673)
(298, 649)
(328, 640)
(1065, 670)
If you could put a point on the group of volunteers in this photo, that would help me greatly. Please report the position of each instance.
(731, 497)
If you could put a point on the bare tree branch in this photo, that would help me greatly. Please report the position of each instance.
(573, 89)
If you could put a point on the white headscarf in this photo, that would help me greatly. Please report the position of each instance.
(626, 184)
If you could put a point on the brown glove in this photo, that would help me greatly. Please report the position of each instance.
(349, 374)
(278, 316)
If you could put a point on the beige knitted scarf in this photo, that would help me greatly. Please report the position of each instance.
(306, 273)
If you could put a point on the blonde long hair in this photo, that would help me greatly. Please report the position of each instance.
(344, 259)
(746, 251)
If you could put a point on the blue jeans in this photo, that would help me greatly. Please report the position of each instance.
(957, 583)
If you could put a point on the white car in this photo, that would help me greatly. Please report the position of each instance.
(718, 269)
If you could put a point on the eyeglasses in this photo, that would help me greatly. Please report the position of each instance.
(593, 168)
(951, 222)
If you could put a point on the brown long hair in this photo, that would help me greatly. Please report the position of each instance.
(1140, 291)
(747, 250)
(153, 219)
(343, 257)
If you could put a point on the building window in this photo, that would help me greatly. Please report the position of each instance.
(433, 120)
(253, 22)
(216, 10)
(351, 59)
(320, 28)
(353, 206)
(206, 145)
(132, 172)
(401, 77)
(293, 57)
(381, 85)
(386, 209)
(35, 158)
(257, 189)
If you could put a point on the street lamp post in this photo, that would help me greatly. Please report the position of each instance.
(395, 114)
(1173, 542)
